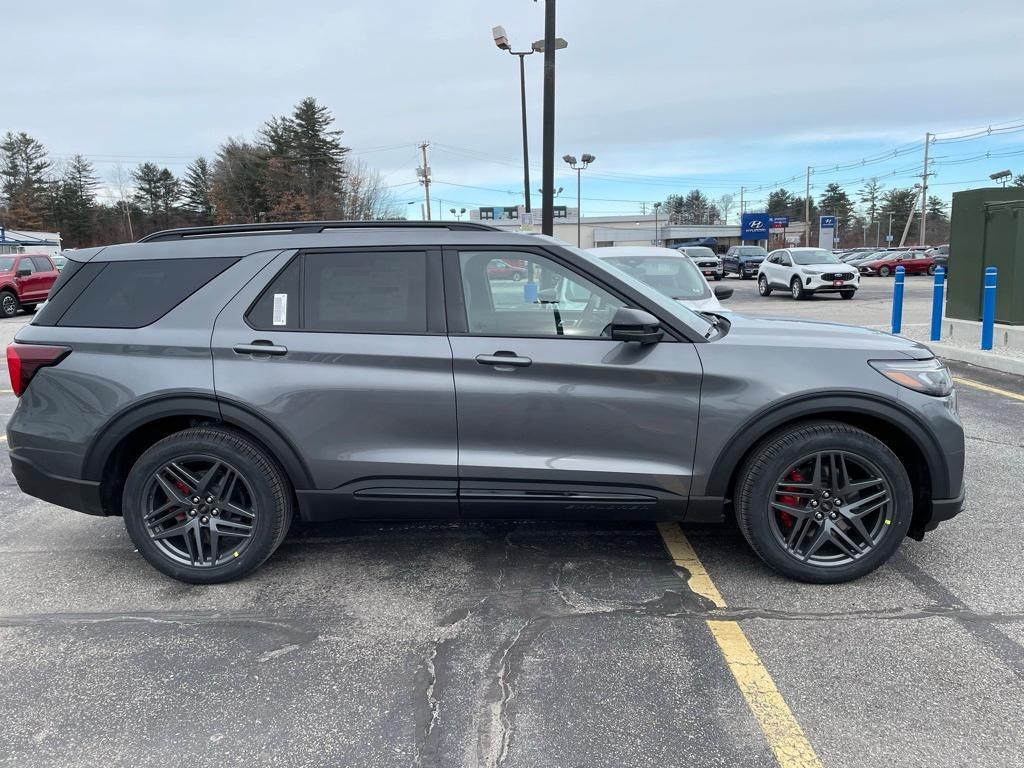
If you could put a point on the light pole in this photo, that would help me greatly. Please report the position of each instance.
(457, 214)
(584, 161)
(656, 239)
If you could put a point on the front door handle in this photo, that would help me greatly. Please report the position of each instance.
(504, 360)
(260, 348)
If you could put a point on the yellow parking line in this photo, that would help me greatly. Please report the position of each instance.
(987, 388)
(780, 728)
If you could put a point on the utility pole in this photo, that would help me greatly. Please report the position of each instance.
(548, 202)
(424, 173)
(807, 209)
(742, 190)
(910, 218)
(924, 189)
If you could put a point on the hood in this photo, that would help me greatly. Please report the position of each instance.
(752, 259)
(780, 332)
(710, 304)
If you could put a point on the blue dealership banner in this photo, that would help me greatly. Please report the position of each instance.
(779, 222)
(754, 226)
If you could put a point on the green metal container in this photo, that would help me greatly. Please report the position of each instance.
(987, 230)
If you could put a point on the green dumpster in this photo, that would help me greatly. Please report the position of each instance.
(987, 230)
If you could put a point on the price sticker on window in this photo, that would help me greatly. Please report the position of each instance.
(280, 309)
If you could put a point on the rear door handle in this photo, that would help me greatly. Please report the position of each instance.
(504, 360)
(260, 348)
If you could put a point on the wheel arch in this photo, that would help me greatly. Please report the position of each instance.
(116, 448)
(894, 425)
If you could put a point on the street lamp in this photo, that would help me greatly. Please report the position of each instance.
(584, 161)
(457, 214)
(656, 207)
(501, 40)
(1001, 176)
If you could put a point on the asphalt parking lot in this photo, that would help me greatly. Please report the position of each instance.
(528, 643)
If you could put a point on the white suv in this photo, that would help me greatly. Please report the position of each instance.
(806, 271)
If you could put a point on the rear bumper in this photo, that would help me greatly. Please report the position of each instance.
(80, 495)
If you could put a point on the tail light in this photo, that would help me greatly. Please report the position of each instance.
(23, 360)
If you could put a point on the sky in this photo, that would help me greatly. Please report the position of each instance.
(668, 95)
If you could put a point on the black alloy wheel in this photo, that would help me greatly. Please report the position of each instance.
(9, 305)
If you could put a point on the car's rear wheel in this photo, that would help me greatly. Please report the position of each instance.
(847, 294)
(206, 505)
(797, 289)
(823, 502)
(931, 269)
(516, 277)
(29, 307)
(9, 304)
(884, 271)
(762, 286)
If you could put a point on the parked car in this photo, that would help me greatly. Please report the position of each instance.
(706, 260)
(502, 270)
(59, 262)
(940, 254)
(914, 262)
(668, 272)
(209, 384)
(743, 260)
(806, 271)
(25, 280)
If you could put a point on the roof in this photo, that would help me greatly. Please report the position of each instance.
(242, 244)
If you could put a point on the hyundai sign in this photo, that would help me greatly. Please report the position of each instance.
(754, 226)
(779, 222)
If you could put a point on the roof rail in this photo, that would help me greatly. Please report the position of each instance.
(305, 228)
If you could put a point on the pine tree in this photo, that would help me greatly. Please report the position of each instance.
(900, 202)
(148, 188)
(835, 202)
(870, 194)
(196, 189)
(75, 202)
(170, 193)
(936, 208)
(780, 202)
(23, 187)
(239, 181)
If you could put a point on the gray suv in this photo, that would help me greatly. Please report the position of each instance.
(208, 385)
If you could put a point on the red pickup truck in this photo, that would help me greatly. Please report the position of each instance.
(25, 280)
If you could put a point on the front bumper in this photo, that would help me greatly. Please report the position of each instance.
(816, 284)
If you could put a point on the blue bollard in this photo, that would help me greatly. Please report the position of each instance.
(937, 295)
(530, 293)
(897, 300)
(988, 307)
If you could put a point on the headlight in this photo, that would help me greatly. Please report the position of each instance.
(929, 377)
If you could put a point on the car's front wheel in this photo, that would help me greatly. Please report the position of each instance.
(9, 304)
(762, 286)
(797, 289)
(847, 294)
(823, 502)
(206, 505)
(884, 271)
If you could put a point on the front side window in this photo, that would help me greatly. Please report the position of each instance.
(815, 256)
(26, 264)
(546, 299)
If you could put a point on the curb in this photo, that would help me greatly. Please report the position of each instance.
(989, 360)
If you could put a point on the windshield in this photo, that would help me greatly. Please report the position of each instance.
(752, 250)
(700, 252)
(814, 256)
(675, 278)
(6, 264)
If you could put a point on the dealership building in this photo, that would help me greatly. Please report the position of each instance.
(606, 231)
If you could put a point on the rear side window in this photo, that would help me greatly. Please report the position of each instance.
(132, 294)
(42, 264)
(278, 307)
(371, 292)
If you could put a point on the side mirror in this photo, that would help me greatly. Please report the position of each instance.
(723, 292)
(23, 273)
(635, 325)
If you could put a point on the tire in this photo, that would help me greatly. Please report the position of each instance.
(847, 294)
(718, 277)
(931, 269)
(762, 286)
(260, 487)
(796, 288)
(516, 277)
(762, 481)
(9, 304)
(884, 271)
(30, 308)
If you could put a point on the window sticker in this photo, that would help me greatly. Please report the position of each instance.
(280, 309)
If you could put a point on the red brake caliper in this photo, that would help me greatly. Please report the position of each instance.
(786, 519)
(185, 490)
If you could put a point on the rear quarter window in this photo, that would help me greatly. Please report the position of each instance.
(129, 294)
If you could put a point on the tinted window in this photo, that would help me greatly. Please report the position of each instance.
(549, 301)
(7, 264)
(815, 256)
(372, 292)
(278, 307)
(26, 263)
(131, 294)
(673, 277)
(42, 264)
